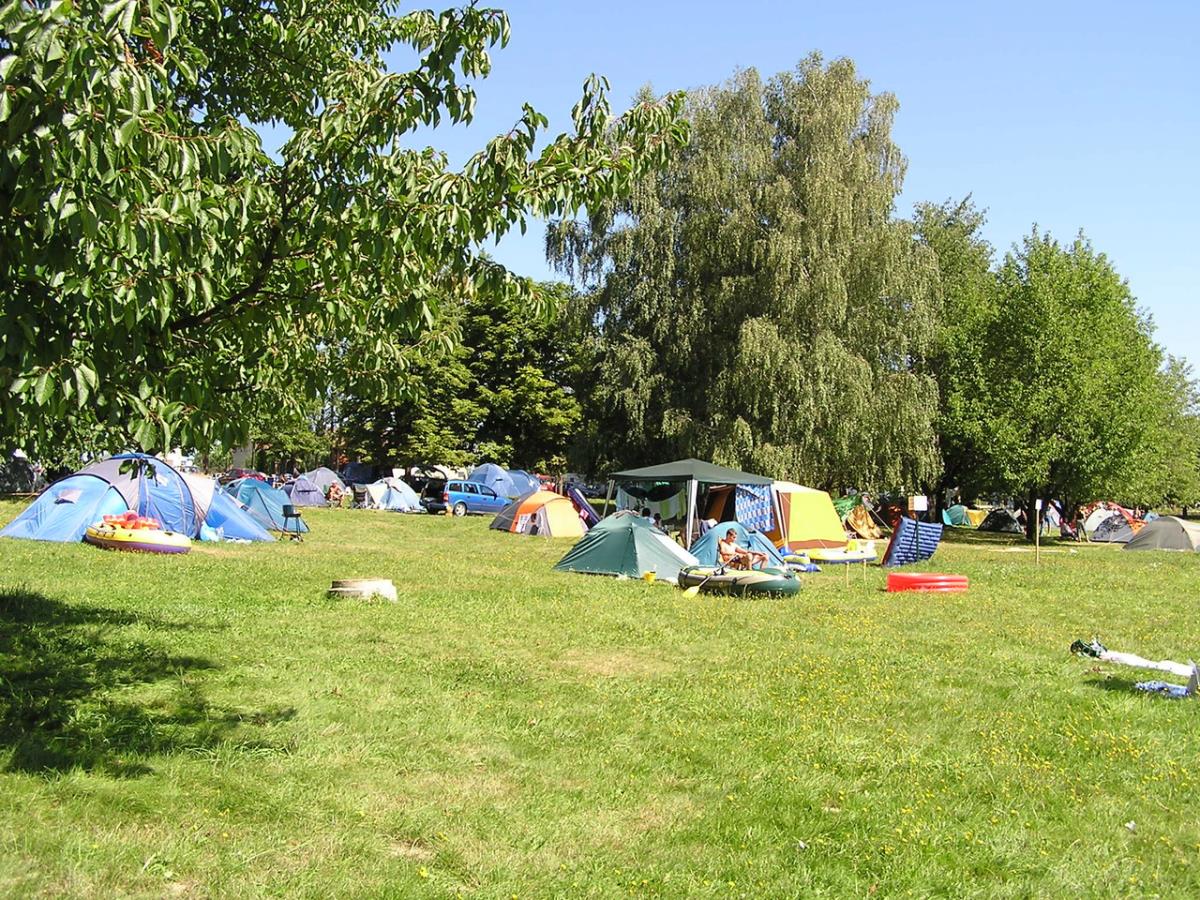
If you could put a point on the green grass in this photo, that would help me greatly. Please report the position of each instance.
(214, 726)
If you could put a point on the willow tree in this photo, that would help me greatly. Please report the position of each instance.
(161, 272)
(758, 301)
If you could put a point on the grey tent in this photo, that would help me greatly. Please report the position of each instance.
(1167, 533)
(1113, 530)
(323, 477)
(1001, 519)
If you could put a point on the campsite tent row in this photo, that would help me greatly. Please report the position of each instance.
(183, 503)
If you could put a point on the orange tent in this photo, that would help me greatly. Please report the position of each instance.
(542, 512)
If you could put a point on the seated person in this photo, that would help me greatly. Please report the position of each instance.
(730, 555)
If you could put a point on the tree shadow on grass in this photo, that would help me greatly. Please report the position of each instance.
(63, 670)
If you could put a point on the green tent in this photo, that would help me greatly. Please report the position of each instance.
(690, 470)
(625, 544)
(695, 474)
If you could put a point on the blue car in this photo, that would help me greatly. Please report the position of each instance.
(468, 497)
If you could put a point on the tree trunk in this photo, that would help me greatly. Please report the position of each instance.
(1031, 516)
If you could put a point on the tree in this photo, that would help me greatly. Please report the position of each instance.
(1169, 472)
(1070, 398)
(968, 293)
(501, 392)
(159, 267)
(757, 302)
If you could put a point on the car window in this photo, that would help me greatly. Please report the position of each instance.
(486, 491)
(470, 488)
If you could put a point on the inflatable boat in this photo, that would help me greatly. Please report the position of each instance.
(144, 540)
(718, 579)
(853, 552)
(799, 562)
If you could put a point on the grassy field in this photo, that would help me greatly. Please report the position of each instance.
(213, 726)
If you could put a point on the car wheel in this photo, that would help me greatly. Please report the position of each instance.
(460, 508)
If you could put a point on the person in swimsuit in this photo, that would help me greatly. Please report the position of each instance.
(731, 555)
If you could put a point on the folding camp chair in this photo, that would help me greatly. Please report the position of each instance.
(290, 512)
(360, 496)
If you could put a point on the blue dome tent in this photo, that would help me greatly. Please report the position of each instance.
(152, 488)
(497, 479)
(705, 547)
(523, 482)
(265, 503)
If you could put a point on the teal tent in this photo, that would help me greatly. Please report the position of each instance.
(956, 516)
(265, 503)
(625, 544)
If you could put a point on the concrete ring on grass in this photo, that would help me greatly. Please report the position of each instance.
(363, 588)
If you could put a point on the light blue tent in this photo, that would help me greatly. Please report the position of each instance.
(497, 479)
(705, 548)
(391, 494)
(151, 488)
(265, 503)
(523, 482)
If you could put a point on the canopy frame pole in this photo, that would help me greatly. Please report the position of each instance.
(692, 490)
(608, 497)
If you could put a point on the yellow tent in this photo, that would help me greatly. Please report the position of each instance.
(976, 517)
(807, 518)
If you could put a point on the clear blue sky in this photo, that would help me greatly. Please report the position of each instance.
(1071, 115)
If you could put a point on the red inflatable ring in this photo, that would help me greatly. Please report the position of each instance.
(926, 581)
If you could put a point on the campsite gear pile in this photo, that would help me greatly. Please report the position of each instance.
(1096, 650)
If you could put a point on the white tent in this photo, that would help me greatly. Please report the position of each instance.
(391, 494)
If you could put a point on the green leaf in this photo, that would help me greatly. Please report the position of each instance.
(127, 130)
(81, 388)
(110, 11)
(6, 65)
(41, 388)
(88, 374)
(127, 16)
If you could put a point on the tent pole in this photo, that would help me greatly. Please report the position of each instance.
(608, 497)
(691, 511)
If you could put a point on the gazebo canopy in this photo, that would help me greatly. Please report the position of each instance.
(690, 470)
